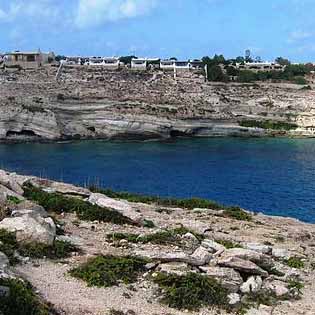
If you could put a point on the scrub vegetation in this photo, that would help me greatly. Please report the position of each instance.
(55, 202)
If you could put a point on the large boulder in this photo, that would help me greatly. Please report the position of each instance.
(252, 285)
(177, 268)
(31, 228)
(229, 278)
(122, 207)
(4, 261)
(260, 248)
(7, 181)
(277, 287)
(26, 206)
(62, 188)
(242, 265)
(213, 247)
(201, 256)
(259, 259)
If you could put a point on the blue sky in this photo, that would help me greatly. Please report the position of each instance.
(164, 28)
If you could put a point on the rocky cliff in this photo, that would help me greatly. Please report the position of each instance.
(94, 103)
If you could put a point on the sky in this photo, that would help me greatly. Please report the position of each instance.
(161, 28)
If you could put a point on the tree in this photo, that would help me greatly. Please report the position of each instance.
(240, 59)
(127, 59)
(283, 61)
(215, 73)
(173, 58)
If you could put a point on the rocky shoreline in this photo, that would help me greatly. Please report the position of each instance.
(96, 104)
(76, 246)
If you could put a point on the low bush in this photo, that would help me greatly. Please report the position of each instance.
(296, 285)
(14, 200)
(268, 124)
(295, 262)
(107, 271)
(191, 291)
(190, 204)
(237, 214)
(229, 244)
(166, 237)
(9, 245)
(59, 203)
(21, 300)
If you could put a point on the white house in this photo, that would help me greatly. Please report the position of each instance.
(167, 64)
(139, 64)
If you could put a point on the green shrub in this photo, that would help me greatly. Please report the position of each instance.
(298, 286)
(9, 245)
(59, 203)
(237, 214)
(107, 271)
(229, 244)
(268, 124)
(191, 291)
(58, 250)
(148, 224)
(295, 262)
(14, 200)
(166, 237)
(299, 80)
(190, 204)
(21, 300)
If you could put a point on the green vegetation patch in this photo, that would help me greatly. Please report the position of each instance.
(21, 300)
(165, 202)
(191, 291)
(9, 246)
(229, 244)
(296, 285)
(107, 271)
(166, 237)
(85, 211)
(295, 262)
(268, 124)
(238, 214)
(14, 200)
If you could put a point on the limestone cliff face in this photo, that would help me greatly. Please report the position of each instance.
(93, 103)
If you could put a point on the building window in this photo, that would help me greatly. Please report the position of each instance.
(30, 58)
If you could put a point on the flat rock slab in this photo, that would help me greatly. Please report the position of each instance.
(229, 278)
(242, 265)
(62, 188)
(121, 206)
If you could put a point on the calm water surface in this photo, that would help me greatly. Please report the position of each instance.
(274, 176)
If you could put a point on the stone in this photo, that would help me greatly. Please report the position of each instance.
(190, 238)
(8, 192)
(234, 299)
(242, 265)
(75, 240)
(261, 310)
(213, 247)
(62, 188)
(201, 256)
(122, 207)
(260, 248)
(166, 257)
(4, 261)
(279, 288)
(4, 291)
(281, 253)
(7, 181)
(177, 268)
(28, 206)
(252, 285)
(228, 277)
(259, 259)
(31, 228)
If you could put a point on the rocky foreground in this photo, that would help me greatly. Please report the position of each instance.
(90, 102)
(84, 252)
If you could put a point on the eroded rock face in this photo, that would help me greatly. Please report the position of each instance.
(31, 227)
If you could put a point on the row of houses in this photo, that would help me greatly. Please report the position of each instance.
(136, 63)
(260, 66)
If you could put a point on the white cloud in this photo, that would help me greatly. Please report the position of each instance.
(96, 12)
(34, 10)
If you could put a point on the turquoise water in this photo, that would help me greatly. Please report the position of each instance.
(274, 176)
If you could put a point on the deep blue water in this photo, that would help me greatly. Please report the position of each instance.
(274, 176)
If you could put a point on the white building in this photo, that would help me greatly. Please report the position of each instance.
(144, 63)
(167, 64)
(260, 66)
